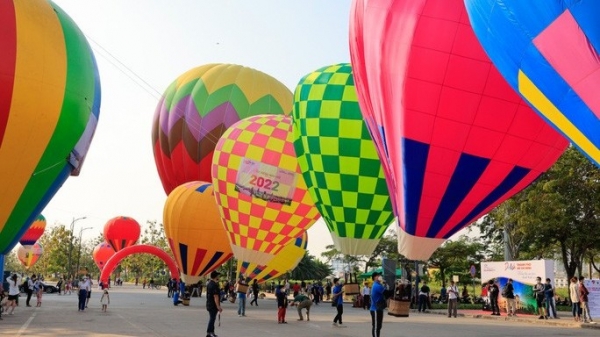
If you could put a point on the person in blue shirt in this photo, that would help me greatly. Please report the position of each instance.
(176, 300)
(338, 300)
(376, 296)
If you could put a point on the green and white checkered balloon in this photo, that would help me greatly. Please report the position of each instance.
(338, 160)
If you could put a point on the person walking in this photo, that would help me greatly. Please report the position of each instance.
(366, 294)
(241, 287)
(549, 296)
(583, 301)
(509, 294)
(302, 302)
(254, 292)
(59, 285)
(376, 310)
(423, 297)
(493, 292)
(13, 292)
(574, 295)
(29, 288)
(452, 300)
(338, 300)
(84, 287)
(213, 302)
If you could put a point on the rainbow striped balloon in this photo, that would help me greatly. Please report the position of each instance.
(35, 231)
(198, 107)
(49, 108)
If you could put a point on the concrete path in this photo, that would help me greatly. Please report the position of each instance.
(141, 312)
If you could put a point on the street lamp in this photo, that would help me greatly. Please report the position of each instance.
(71, 244)
(79, 253)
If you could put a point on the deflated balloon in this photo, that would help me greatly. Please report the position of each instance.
(548, 52)
(339, 161)
(29, 255)
(49, 108)
(35, 231)
(286, 260)
(454, 139)
(121, 232)
(101, 253)
(262, 197)
(198, 107)
(194, 230)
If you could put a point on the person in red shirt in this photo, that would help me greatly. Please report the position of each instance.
(296, 289)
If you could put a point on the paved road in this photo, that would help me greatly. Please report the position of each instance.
(137, 312)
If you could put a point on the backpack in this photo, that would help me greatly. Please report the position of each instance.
(505, 291)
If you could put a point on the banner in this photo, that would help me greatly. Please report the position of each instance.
(523, 274)
(593, 286)
(266, 182)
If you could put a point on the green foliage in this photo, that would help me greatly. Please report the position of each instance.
(310, 268)
(456, 257)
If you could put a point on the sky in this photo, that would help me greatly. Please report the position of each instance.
(141, 46)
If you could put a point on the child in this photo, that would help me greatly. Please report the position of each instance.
(39, 291)
(281, 305)
(105, 300)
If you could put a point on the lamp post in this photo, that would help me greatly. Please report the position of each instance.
(71, 244)
(79, 252)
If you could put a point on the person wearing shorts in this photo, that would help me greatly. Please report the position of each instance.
(13, 292)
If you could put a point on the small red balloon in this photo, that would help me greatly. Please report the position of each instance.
(102, 252)
(121, 232)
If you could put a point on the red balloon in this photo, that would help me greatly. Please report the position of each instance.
(102, 252)
(139, 249)
(121, 232)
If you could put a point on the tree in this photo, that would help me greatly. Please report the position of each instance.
(562, 211)
(387, 247)
(333, 254)
(55, 259)
(456, 257)
(310, 268)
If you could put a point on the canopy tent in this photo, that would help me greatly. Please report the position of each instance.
(379, 270)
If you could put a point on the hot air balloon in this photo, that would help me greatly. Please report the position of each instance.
(262, 197)
(286, 260)
(35, 231)
(49, 107)
(338, 160)
(198, 107)
(454, 139)
(548, 52)
(194, 230)
(101, 253)
(29, 255)
(121, 232)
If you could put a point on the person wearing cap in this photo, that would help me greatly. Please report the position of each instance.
(84, 287)
(338, 300)
(302, 301)
(376, 296)
(213, 303)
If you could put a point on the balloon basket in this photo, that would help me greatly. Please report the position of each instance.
(186, 302)
(351, 289)
(398, 308)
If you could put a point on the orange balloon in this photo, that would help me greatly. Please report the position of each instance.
(29, 255)
(194, 230)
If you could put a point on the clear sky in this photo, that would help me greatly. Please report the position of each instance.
(141, 46)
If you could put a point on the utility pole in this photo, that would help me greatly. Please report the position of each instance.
(79, 252)
(70, 266)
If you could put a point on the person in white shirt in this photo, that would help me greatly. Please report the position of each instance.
(452, 299)
(84, 287)
(13, 292)
(366, 294)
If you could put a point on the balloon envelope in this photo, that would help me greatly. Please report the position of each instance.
(455, 140)
(35, 231)
(194, 230)
(339, 161)
(548, 52)
(121, 232)
(259, 188)
(49, 107)
(29, 255)
(101, 253)
(198, 107)
(286, 260)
